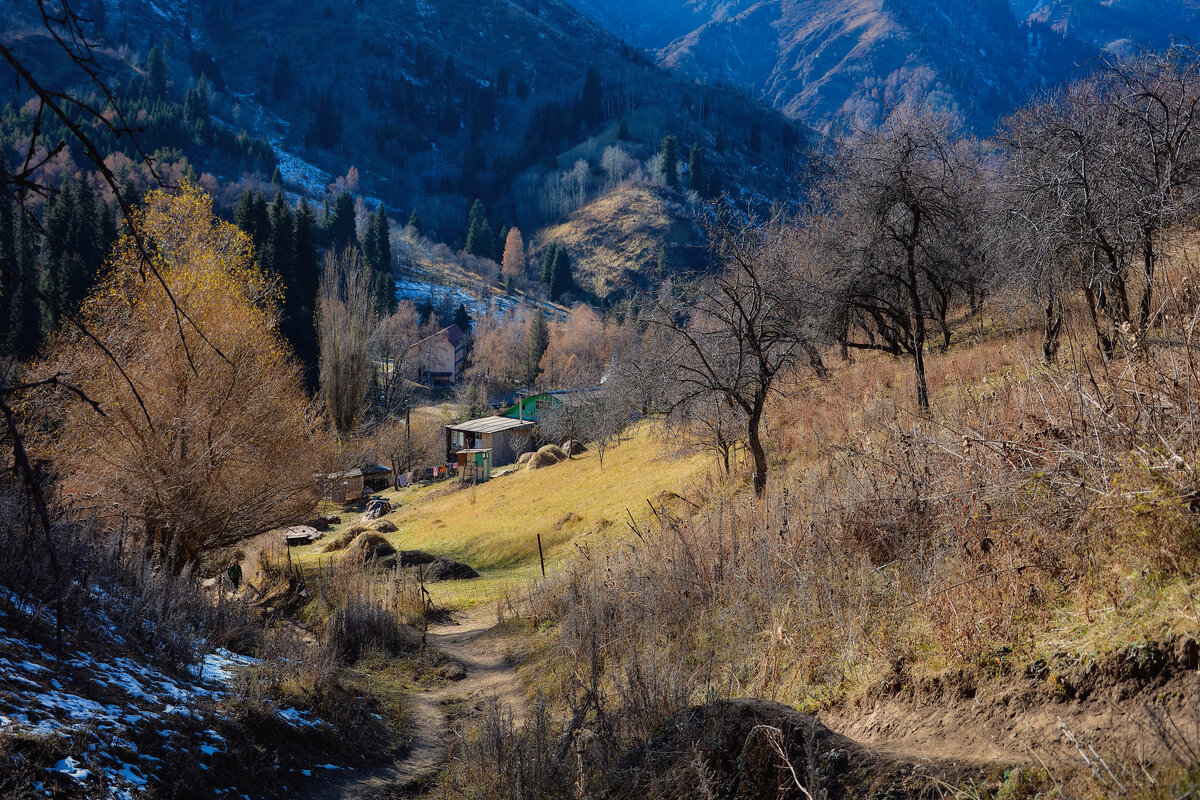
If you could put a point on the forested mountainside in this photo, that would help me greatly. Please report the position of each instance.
(850, 61)
(435, 104)
(1116, 24)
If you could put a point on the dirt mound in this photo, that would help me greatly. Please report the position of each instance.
(761, 749)
(1110, 703)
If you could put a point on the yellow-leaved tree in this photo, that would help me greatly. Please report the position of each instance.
(207, 438)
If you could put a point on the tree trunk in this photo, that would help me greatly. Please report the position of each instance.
(1054, 322)
(1148, 262)
(918, 318)
(757, 449)
(815, 361)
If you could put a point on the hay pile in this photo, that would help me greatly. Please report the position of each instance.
(370, 546)
(383, 526)
(548, 456)
(524, 459)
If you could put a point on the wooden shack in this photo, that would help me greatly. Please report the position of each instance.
(507, 438)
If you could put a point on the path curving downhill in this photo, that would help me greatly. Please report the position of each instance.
(469, 641)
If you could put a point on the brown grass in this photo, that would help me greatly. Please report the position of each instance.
(1034, 509)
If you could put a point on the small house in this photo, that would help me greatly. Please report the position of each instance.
(507, 438)
(441, 357)
(534, 406)
(346, 487)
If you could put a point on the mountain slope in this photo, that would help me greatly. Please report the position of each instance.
(439, 102)
(848, 61)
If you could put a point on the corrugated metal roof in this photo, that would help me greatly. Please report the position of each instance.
(489, 425)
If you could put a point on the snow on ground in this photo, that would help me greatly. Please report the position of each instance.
(102, 703)
(295, 170)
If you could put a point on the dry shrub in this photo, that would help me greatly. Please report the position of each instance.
(112, 589)
(369, 611)
(895, 536)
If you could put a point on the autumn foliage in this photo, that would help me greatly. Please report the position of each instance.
(201, 427)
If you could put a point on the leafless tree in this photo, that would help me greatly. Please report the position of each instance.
(345, 326)
(1098, 174)
(896, 226)
(728, 337)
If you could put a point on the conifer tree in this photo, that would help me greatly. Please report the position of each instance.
(378, 251)
(462, 318)
(251, 216)
(156, 74)
(623, 132)
(670, 162)
(340, 222)
(302, 295)
(696, 179)
(480, 239)
(591, 102)
(537, 342)
(278, 254)
(562, 280)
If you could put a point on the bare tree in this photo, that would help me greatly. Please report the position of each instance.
(898, 203)
(1098, 175)
(730, 336)
(346, 323)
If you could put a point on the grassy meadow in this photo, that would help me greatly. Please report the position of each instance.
(494, 526)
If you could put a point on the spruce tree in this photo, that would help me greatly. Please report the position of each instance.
(591, 102)
(341, 230)
(414, 221)
(156, 74)
(623, 132)
(251, 216)
(670, 162)
(562, 281)
(303, 297)
(24, 335)
(481, 241)
(278, 253)
(537, 342)
(462, 318)
(696, 179)
(378, 251)
(549, 264)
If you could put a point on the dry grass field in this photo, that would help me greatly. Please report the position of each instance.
(494, 526)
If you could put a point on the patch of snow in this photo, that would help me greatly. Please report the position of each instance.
(70, 767)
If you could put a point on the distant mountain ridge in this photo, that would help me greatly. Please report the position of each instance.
(837, 63)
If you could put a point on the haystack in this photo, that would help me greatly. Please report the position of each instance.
(371, 546)
(574, 447)
(524, 459)
(383, 526)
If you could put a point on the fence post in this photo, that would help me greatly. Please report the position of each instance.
(541, 557)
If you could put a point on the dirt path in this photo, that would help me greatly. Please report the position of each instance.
(489, 673)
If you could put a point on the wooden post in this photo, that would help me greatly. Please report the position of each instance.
(541, 557)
